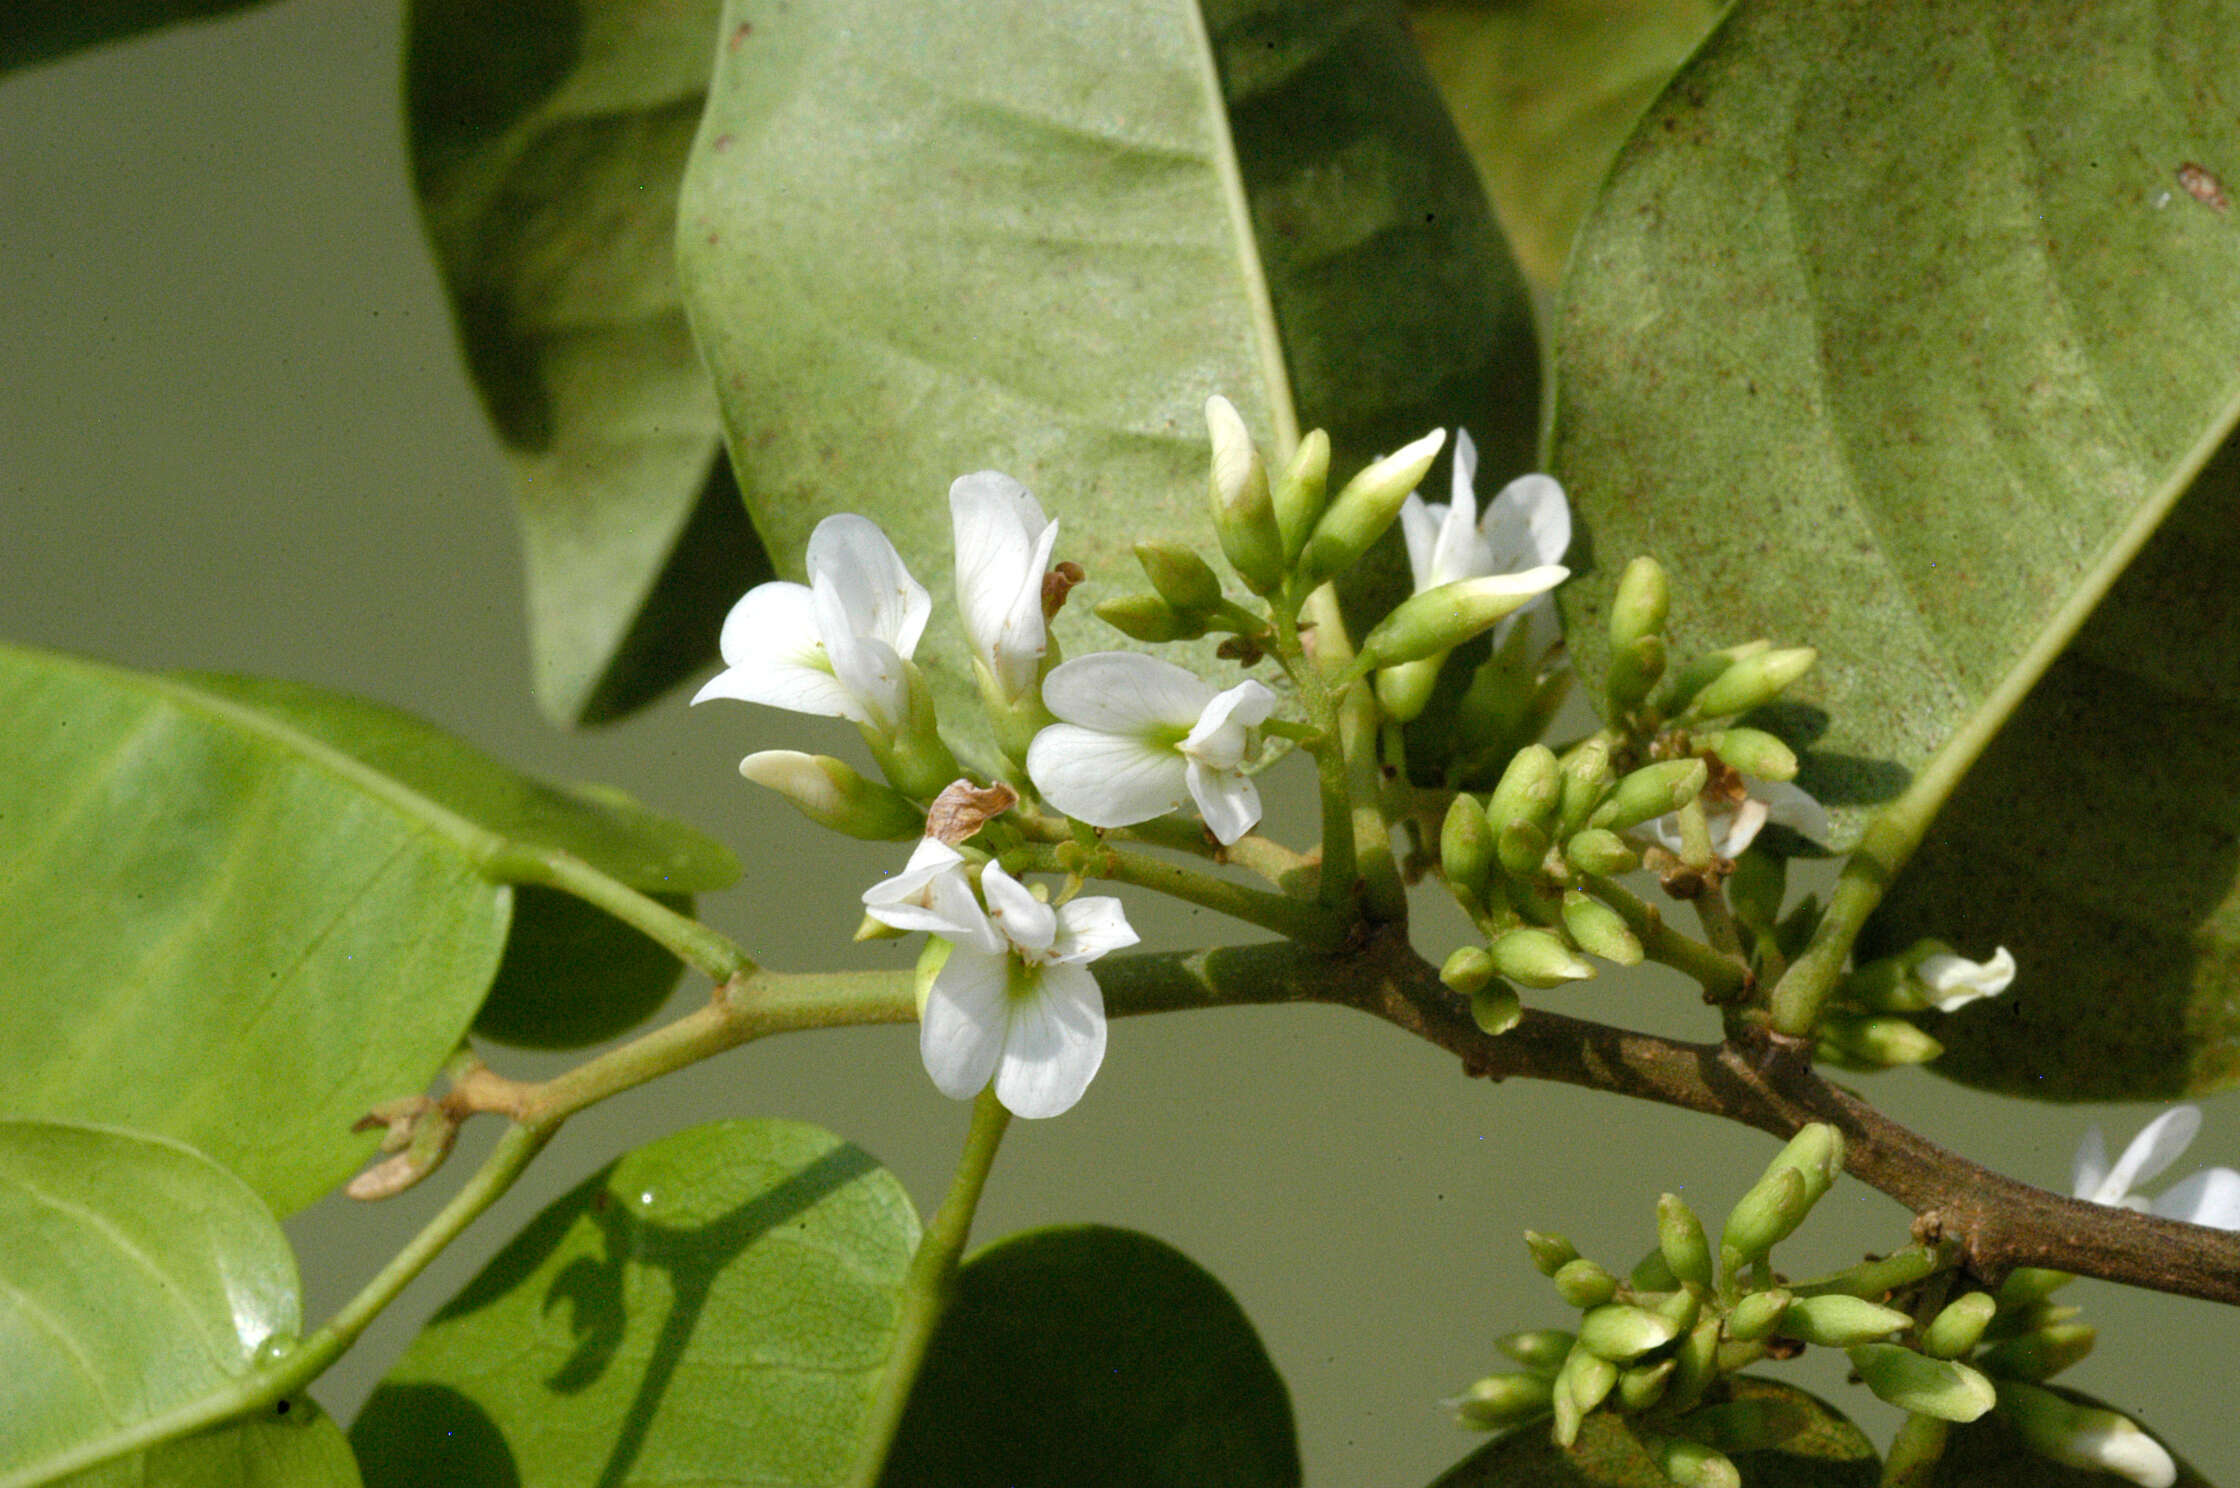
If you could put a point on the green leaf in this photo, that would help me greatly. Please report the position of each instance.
(1830, 1453)
(1086, 1356)
(139, 1277)
(922, 240)
(547, 142)
(2099, 840)
(240, 912)
(44, 30)
(542, 998)
(1895, 331)
(1988, 1454)
(1546, 91)
(715, 1308)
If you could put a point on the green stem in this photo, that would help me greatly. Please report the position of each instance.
(717, 955)
(1875, 1279)
(930, 1285)
(1720, 975)
(1312, 925)
(1328, 751)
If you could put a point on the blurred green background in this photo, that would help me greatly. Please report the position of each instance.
(234, 434)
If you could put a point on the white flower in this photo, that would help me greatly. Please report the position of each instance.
(2210, 1197)
(1140, 736)
(1955, 981)
(835, 646)
(1003, 552)
(1736, 824)
(1528, 525)
(1015, 1000)
(2086, 1436)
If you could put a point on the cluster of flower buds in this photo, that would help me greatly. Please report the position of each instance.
(1868, 1023)
(1660, 1348)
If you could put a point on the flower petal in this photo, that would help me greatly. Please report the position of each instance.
(932, 893)
(1026, 921)
(881, 600)
(1003, 544)
(1106, 780)
(1528, 524)
(1957, 981)
(773, 656)
(2160, 1143)
(1222, 737)
(2210, 1197)
(1055, 1045)
(1792, 807)
(868, 668)
(966, 1021)
(1228, 800)
(2088, 1172)
(1124, 692)
(1419, 529)
(1089, 927)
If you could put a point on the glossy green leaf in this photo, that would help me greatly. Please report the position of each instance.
(43, 30)
(1897, 328)
(921, 240)
(556, 947)
(139, 1277)
(1988, 1454)
(1545, 92)
(2099, 840)
(547, 142)
(715, 1308)
(1830, 1453)
(241, 913)
(1087, 1356)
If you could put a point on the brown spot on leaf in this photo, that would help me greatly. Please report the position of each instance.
(2202, 185)
(739, 35)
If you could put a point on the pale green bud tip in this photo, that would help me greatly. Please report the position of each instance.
(1236, 460)
(1182, 578)
(1244, 515)
(1582, 1283)
(1404, 691)
(1550, 1253)
(1542, 1350)
(1766, 1215)
(1438, 620)
(1838, 1321)
(1757, 1315)
(1600, 852)
(1693, 1465)
(1681, 1240)
(1754, 752)
(831, 794)
(1299, 494)
(2086, 1436)
(1466, 849)
(1501, 1400)
(1467, 970)
(1361, 512)
(1753, 681)
(1496, 1008)
(1943, 1388)
(1622, 1333)
(1959, 1327)
(1874, 1042)
(1643, 600)
(1599, 930)
(1537, 958)
(1650, 792)
(1147, 617)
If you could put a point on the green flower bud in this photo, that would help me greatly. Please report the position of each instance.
(1816, 1151)
(1750, 1425)
(1757, 1315)
(1752, 682)
(1438, 620)
(1542, 1350)
(1642, 1386)
(1633, 670)
(1639, 607)
(1680, 1308)
(1182, 578)
(1550, 1253)
(1682, 686)
(914, 759)
(1754, 752)
(2013, 1322)
(1244, 514)
(1944, 1388)
(1467, 970)
(831, 794)
(1599, 930)
(1521, 848)
(1652, 1274)
(1404, 691)
(1496, 1008)
(1537, 958)
(2027, 1284)
(1681, 1241)
(1959, 1326)
(1690, 1464)
(1621, 1333)
(1359, 514)
(1299, 493)
(2085, 1436)
(2041, 1353)
(1695, 1362)
(1147, 617)
(1586, 780)
(1836, 1321)
(1587, 1380)
(1500, 1401)
(1600, 852)
(1584, 1284)
(1466, 853)
(1650, 792)
(1528, 790)
(1862, 1041)
(1764, 1217)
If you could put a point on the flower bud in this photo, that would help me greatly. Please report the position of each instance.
(1182, 578)
(1583, 1383)
(1866, 1042)
(1680, 1239)
(1467, 970)
(1537, 958)
(1691, 1464)
(831, 794)
(1757, 1315)
(1147, 617)
(1649, 793)
(1621, 1333)
(1816, 1151)
(1748, 1425)
(2085, 1436)
(1466, 853)
(1943, 1388)
(1583, 1284)
(1681, 688)
(1752, 682)
(1632, 672)
(914, 758)
(1404, 691)
(1599, 930)
(1764, 1217)
(1599, 852)
(1299, 493)
(1244, 514)
(1528, 790)
(1521, 848)
(1696, 1363)
(1959, 1326)
(1754, 752)
(1642, 1386)
(1542, 1350)
(1359, 514)
(1550, 1253)
(2041, 1353)
(1836, 1321)
(1495, 1008)
(1643, 599)
(1438, 620)
(1586, 780)
(1500, 1401)
(2027, 1284)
